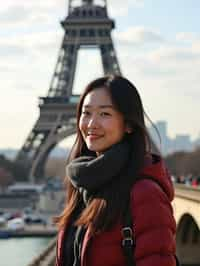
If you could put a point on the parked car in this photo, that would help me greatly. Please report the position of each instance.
(16, 224)
(34, 219)
(11, 215)
(3, 221)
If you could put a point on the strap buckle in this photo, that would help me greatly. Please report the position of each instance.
(127, 237)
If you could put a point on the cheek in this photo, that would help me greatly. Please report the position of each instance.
(117, 128)
(81, 124)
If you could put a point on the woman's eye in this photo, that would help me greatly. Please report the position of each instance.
(105, 114)
(85, 112)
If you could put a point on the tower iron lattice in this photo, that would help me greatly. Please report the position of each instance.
(86, 25)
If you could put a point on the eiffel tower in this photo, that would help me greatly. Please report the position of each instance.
(86, 25)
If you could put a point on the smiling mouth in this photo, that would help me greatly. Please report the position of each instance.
(93, 136)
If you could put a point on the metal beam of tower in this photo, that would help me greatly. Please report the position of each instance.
(86, 25)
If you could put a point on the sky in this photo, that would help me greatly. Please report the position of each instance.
(158, 48)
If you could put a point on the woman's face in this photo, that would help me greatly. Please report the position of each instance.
(101, 125)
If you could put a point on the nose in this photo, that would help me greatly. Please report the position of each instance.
(93, 122)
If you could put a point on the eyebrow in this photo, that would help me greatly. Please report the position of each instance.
(100, 106)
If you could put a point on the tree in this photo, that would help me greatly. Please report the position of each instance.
(6, 178)
(17, 170)
(184, 163)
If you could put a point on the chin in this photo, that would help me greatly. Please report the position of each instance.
(94, 148)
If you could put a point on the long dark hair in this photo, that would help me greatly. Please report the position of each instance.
(101, 213)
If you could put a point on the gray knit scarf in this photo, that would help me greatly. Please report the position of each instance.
(93, 175)
(97, 177)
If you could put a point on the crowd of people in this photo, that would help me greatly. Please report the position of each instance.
(189, 180)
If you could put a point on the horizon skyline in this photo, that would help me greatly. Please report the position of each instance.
(161, 58)
(69, 140)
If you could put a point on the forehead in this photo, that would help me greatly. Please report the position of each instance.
(97, 97)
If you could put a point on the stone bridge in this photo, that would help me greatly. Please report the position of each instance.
(187, 213)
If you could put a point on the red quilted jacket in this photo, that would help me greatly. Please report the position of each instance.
(154, 227)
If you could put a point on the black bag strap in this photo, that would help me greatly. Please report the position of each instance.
(128, 241)
(128, 233)
(177, 261)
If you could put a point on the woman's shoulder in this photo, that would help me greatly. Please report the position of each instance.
(149, 200)
(146, 188)
(154, 179)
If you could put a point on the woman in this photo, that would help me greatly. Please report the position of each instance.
(109, 168)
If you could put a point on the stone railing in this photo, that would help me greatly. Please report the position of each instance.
(187, 192)
(47, 257)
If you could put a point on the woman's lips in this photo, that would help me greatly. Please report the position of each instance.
(93, 136)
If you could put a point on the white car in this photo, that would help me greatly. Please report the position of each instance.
(3, 221)
(16, 224)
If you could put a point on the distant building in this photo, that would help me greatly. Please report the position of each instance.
(182, 142)
(168, 145)
(160, 138)
(196, 143)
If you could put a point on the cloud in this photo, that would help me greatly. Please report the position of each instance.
(196, 46)
(29, 44)
(167, 83)
(187, 36)
(11, 49)
(16, 14)
(32, 3)
(26, 14)
(171, 67)
(175, 54)
(138, 36)
(121, 8)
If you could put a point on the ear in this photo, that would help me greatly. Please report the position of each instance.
(128, 130)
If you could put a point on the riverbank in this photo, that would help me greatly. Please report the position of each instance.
(22, 251)
(29, 231)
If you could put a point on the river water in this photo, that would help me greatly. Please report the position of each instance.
(21, 251)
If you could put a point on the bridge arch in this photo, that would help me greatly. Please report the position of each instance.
(188, 240)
